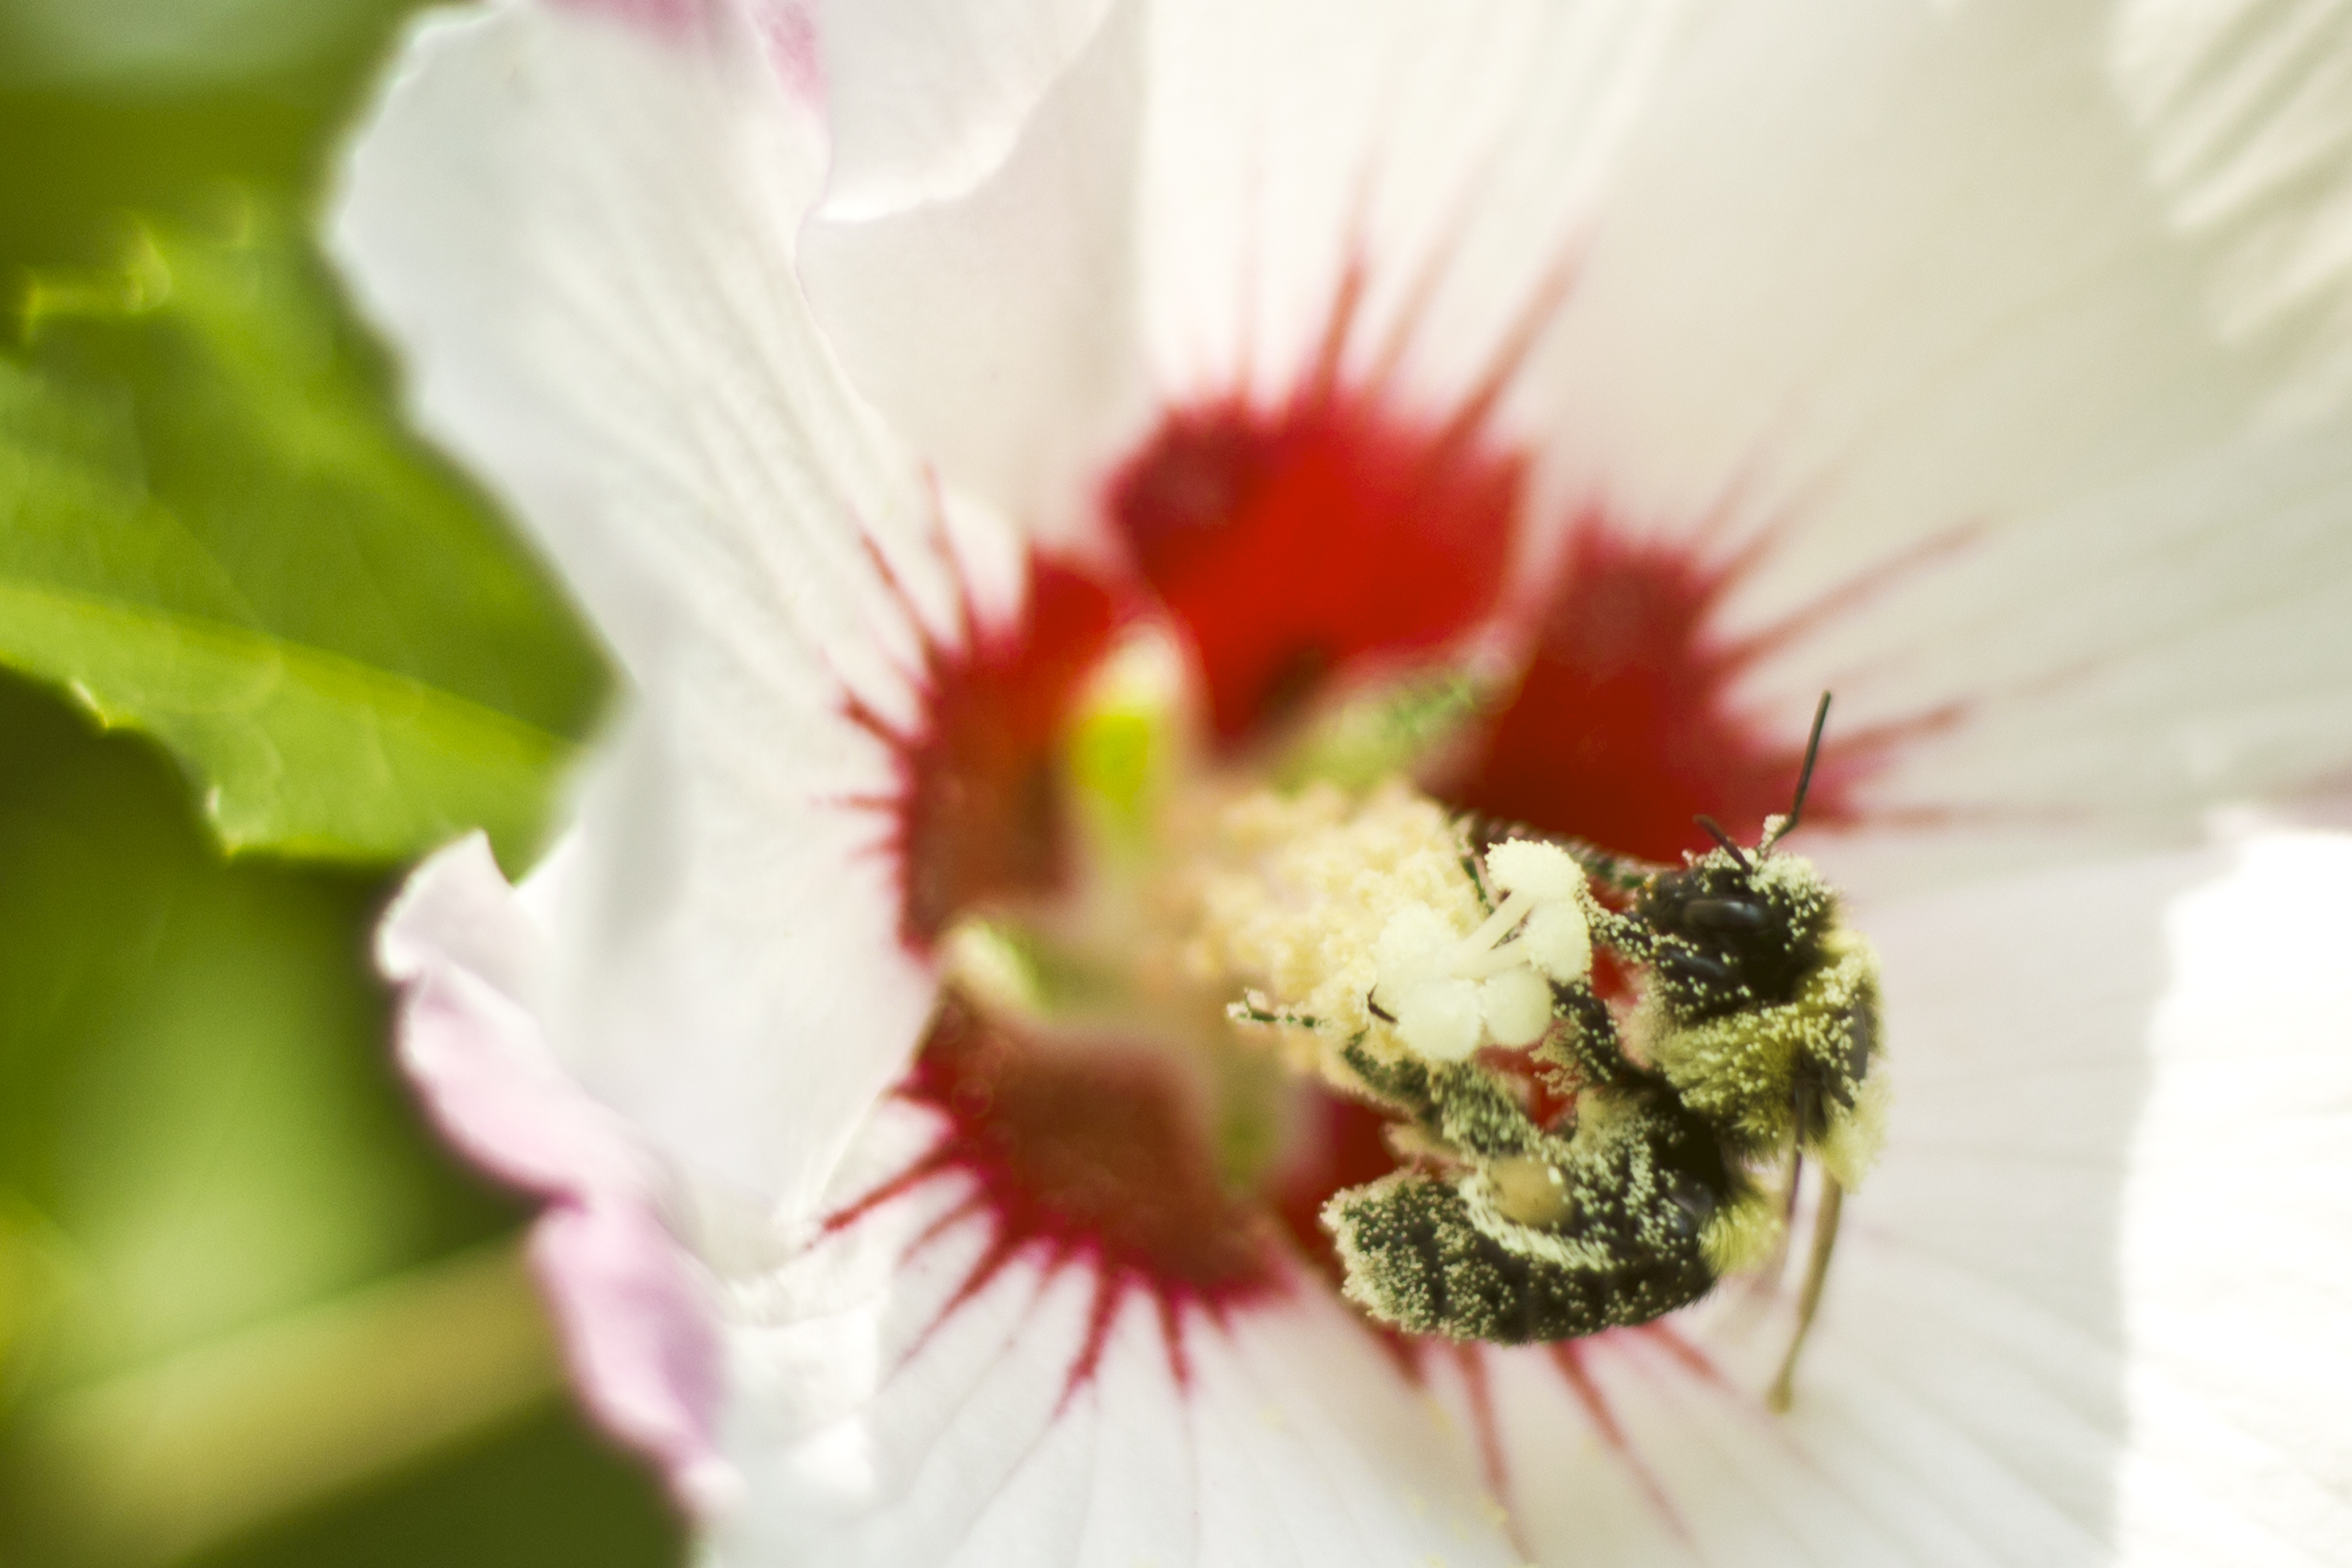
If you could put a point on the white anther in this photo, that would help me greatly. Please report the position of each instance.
(1440, 1020)
(1473, 963)
(1516, 1006)
(1416, 944)
(1449, 995)
(1545, 873)
(1559, 940)
(1436, 1011)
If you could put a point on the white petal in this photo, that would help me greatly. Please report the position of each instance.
(1451, 152)
(471, 965)
(2236, 1279)
(869, 1435)
(2089, 1309)
(926, 97)
(1180, 211)
(993, 328)
(1947, 291)
(579, 231)
(2250, 139)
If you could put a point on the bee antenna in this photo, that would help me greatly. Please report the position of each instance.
(1787, 824)
(1730, 845)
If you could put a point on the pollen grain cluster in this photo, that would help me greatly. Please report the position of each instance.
(1291, 892)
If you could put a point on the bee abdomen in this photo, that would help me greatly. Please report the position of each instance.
(1421, 1257)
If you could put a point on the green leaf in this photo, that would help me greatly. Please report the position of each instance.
(242, 1287)
(214, 530)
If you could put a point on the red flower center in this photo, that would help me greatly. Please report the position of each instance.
(1621, 729)
(1089, 1155)
(977, 813)
(1290, 546)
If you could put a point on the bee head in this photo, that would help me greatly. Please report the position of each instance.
(1740, 928)
(1763, 1010)
(1734, 932)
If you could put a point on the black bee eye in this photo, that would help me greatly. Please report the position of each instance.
(1724, 914)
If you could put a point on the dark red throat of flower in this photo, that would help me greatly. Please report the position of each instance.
(1621, 729)
(1090, 1156)
(1089, 1150)
(978, 811)
(1290, 544)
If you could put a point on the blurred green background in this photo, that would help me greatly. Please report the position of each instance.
(249, 1312)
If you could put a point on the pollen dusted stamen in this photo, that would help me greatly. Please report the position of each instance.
(1291, 893)
(1449, 994)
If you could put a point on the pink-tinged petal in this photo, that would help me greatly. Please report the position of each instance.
(1899, 308)
(640, 1337)
(993, 329)
(2087, 1311)
(786, 30)
(470, 962)
(893, 1411)
(634, 1312)
(581, 235)
(670, 18)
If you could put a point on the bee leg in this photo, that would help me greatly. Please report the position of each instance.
(1415, 1259)
(1484, 1117)
(1404, 1083)
(1613, 870)
(1809, 1299)
(1477, 883)
(1585, 1044)
(1625, 935)
(1462, 1106)
(1405, 1086)
(1759, 1283)
(1770, 1274)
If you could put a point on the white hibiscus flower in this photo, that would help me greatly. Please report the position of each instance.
(893, 386)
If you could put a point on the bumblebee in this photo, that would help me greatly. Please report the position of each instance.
(1755, 1043)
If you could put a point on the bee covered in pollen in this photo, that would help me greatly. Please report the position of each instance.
(1753, 1044)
